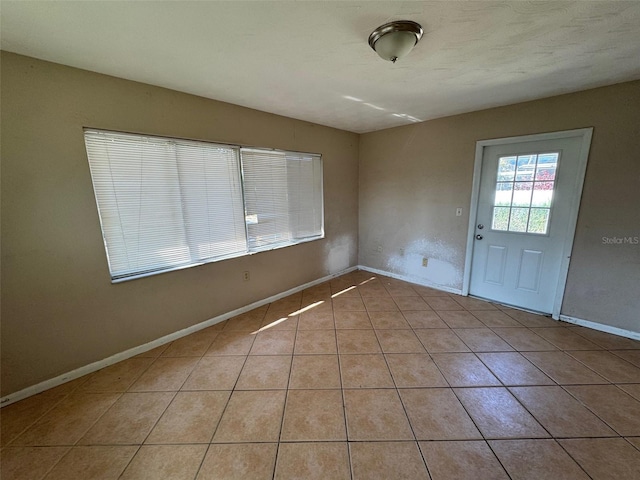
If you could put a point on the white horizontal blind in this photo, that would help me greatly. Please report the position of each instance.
(283, 196)
(264, 173)
(165, 203)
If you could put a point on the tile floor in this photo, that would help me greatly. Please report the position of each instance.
(363, 377)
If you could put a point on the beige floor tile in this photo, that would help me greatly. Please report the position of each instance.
(270, 342)
(352, 320)
(175, 462)
(424, 319)
(244, 322)
(243, 461)
(129, 420)
(316, 320)
(68, 420)
(373, 289)
(386, 460)
(68, 387)
(118, 377)
(436, 414)
(498, 414)
(353, 304)
(95, 463)
(620, 410)
(632, 356)
(192, 417)
(607, 340)
(411, 304)
(375, 415)
(357, 341)
(287, 305)
(464, 370)
(231, 343)
(276, 321)
(309, 461)
(565, 339)
(165, 374)
(310, 342)
(193, 345)
(560, 413)
(28, 463)
(410, 370)
(429, 292)
(611, 367)
(474, 303)
(401, 289)
(495, 318)
(439, 340)
(388, 320)
(532, 320)
(632, 389)
(365, 371)
(313, 415)
(536, 460)
(247, 321)
(605, 458)
(399, 341)
(460, 319)
(252, 416)
(468, 460)
(634, 441)
(482, 340)
(315, 372)
(265, 372)
(523, 339)
(215, 373)
(443, 303)
(380, 304)
(563, 369)
(15, 418)
(512, 368)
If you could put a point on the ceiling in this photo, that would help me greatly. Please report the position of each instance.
(311, 61)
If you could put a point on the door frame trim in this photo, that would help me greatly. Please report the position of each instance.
(586, 134)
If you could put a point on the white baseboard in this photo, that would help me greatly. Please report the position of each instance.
(132, 352)
(415, 280)
(601, 327)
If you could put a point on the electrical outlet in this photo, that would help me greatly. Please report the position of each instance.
(245, 276)
(402, 252)
(425, 261)
(458, 212)
(379, 249)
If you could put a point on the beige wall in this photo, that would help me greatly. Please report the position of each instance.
(412, 179)
(59, 309)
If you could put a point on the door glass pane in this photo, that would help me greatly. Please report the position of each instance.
(522, 194)
(525, 168)
(504, 190)
(506, 168)
(538, 220)
(500, 219)
(542, 194)
(546, 168)
(518, 220)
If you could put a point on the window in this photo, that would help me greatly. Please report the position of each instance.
(166, 203)
(524, 193)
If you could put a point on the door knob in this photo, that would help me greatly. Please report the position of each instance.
(479, 237)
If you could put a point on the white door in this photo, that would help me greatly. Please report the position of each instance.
(527, 205)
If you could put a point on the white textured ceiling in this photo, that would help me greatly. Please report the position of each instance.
(311, 60)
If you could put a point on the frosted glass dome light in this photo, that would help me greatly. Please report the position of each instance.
(394, 40)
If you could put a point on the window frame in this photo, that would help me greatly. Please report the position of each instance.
(249, 250)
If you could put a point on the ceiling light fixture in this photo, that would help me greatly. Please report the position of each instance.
(394, 40)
